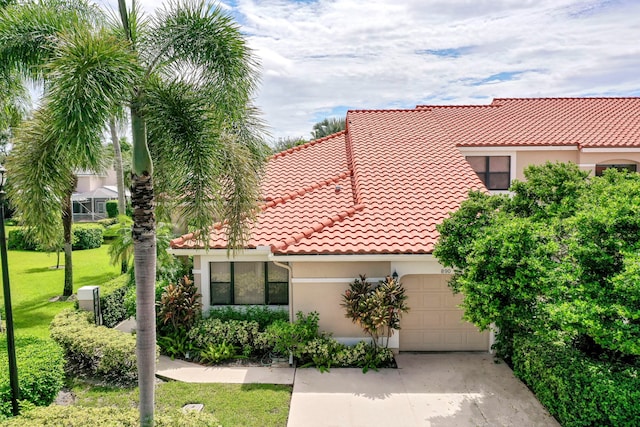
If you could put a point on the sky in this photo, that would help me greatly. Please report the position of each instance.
(320, 58)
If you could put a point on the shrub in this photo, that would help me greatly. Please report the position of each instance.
(376, 308)
(106, 222)
(77, 416)
(87, 238)
(19, 239)
(113, 307)
(325, 352)
(179, 307)
(576, 389)
(285, 337)
(41, 372)
(95, 351)
(238, 333)
(112, 208)
(264, 315)
(217, 353)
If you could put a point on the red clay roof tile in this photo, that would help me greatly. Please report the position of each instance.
(384, 184)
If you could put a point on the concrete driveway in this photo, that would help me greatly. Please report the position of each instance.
(444, 389)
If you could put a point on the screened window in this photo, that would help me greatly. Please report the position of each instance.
(601, 168)
(248, 283)
(493, 171)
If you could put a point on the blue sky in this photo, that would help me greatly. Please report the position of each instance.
(322, 57)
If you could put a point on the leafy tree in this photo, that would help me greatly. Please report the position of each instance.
(187, 76)
(328, 127)
(560, 255)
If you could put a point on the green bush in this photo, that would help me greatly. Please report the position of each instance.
(325, 352)
(576, 389)
(95, 351)
(19, 240)
(217, 353)
(286, 337)
(112, 208)
(87, 238)
(264, 315)
(106, 222)
(40, 369)
(77, 416)
(113, 307)
(238, 333)
(84, 237)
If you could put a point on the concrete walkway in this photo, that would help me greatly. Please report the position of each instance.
(446, 389)
(187, 372)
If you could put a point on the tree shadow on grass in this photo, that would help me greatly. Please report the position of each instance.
(96, 280)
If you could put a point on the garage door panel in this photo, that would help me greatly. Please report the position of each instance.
(434, 322)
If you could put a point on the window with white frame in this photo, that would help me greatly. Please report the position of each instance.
(493, 171)
(248, 283)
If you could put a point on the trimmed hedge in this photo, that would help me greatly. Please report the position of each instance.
(40, 369)
(83, 238)
(264, 315)
(87, 238)
(576, 389)
(95, 351)
(112, 208)
(112, 305)
(77, 416)
(18, 240)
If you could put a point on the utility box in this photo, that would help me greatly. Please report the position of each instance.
(89, 300)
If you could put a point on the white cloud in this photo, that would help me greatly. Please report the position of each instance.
(325, 54)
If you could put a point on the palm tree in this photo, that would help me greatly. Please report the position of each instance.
(328, 127)
(187, 76)
(40, 42)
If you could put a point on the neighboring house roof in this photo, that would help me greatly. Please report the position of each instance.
(383, 185)
(106, 192)
(581, 122)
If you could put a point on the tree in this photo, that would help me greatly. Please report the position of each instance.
(559, 255)
(187, 76)
(283, 144)
(43, 42)
(328, 127)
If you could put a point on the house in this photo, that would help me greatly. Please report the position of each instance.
(92, 193)
(367, 201)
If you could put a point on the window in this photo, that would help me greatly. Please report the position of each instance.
(493, 171)
(601, 168)
(249, 283)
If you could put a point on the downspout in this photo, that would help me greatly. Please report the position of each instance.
(288, 268)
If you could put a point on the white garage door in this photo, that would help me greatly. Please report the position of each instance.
(434, 321)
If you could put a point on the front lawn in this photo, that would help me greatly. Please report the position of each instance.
(232, 404)
(34, 281)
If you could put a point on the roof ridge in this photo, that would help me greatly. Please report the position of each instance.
(305, 145)
(428, 107)
(386, 110)
(542, 98)
(316, 227)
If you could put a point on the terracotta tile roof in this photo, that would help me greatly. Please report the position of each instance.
(582, 122)
(384, 184)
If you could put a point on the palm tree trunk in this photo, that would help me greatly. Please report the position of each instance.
(144, 243)
(67, 222)
(117, 158)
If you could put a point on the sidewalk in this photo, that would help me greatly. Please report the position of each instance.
(179, 370)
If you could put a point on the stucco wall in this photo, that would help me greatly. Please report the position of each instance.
(318, 286)
(527, 158)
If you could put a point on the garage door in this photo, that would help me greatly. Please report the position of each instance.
(434, 321)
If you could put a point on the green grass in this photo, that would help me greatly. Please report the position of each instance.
(232, 404)
(34, 281)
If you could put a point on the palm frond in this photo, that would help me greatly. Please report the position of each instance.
(90, 77)
(39, 177)
(28, 31)
(206, 168)
(200, 43)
